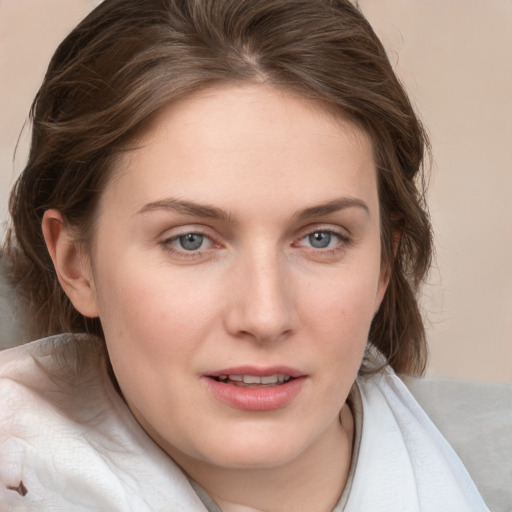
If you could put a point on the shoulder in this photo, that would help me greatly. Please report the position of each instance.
(67, 439)
(52, 366)
(476, 419)
(52, 382)
(402, 449)
(32, 364)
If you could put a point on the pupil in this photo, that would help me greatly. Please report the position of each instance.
(191, 241)
(320, 239)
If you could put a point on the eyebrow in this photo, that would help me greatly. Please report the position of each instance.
(333, 206)
(212, 212)
(186, 207)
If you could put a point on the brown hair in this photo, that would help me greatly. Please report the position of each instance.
(129, 58)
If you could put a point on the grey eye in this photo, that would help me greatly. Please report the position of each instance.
(191, 241)
(320, 239)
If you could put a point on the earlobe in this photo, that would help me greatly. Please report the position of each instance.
(72, 267)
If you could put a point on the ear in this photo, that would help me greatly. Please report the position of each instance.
(72, 267)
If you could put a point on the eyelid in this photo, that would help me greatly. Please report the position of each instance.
(185, 229)
(323, 254)
(174, 234)
(340, 232)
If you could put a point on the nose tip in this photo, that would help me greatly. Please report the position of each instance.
(266, 327)
(262, 307)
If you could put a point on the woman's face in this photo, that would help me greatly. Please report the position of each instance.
(236, 271)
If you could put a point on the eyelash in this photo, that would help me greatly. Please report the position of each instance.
(169, 243)
(343, 241)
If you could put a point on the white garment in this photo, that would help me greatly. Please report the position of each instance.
(68, 443)
(404, 463)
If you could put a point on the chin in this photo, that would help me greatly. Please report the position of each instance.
(257, 449)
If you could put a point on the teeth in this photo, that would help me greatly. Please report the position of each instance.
(252, 379)
(277, 378)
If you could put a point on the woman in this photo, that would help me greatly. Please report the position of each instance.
(223, 196)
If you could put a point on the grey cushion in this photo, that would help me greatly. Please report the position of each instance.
(14, 325)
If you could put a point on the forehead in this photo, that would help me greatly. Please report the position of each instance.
(256, 140)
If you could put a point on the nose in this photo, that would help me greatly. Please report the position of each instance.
(261, 305)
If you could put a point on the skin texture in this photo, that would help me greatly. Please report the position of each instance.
(257, 291)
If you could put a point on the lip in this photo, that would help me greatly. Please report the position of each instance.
(256, 398)
(258, 371)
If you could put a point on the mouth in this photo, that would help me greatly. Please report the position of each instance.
(254, 381)
(255, 388)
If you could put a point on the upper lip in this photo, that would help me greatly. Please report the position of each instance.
(258, 371)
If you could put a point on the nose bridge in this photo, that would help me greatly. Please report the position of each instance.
(262, 307)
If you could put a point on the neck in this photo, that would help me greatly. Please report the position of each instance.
(314, 481)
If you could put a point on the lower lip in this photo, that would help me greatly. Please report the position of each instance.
(265, 398)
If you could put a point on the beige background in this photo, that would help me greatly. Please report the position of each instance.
(455, 58)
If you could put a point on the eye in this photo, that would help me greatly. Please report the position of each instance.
(191, 241)
(322, 239)
(188, 244)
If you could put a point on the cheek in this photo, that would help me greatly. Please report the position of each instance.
(339, 316)
(343, 305)
(152, 332)
(152, 310)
